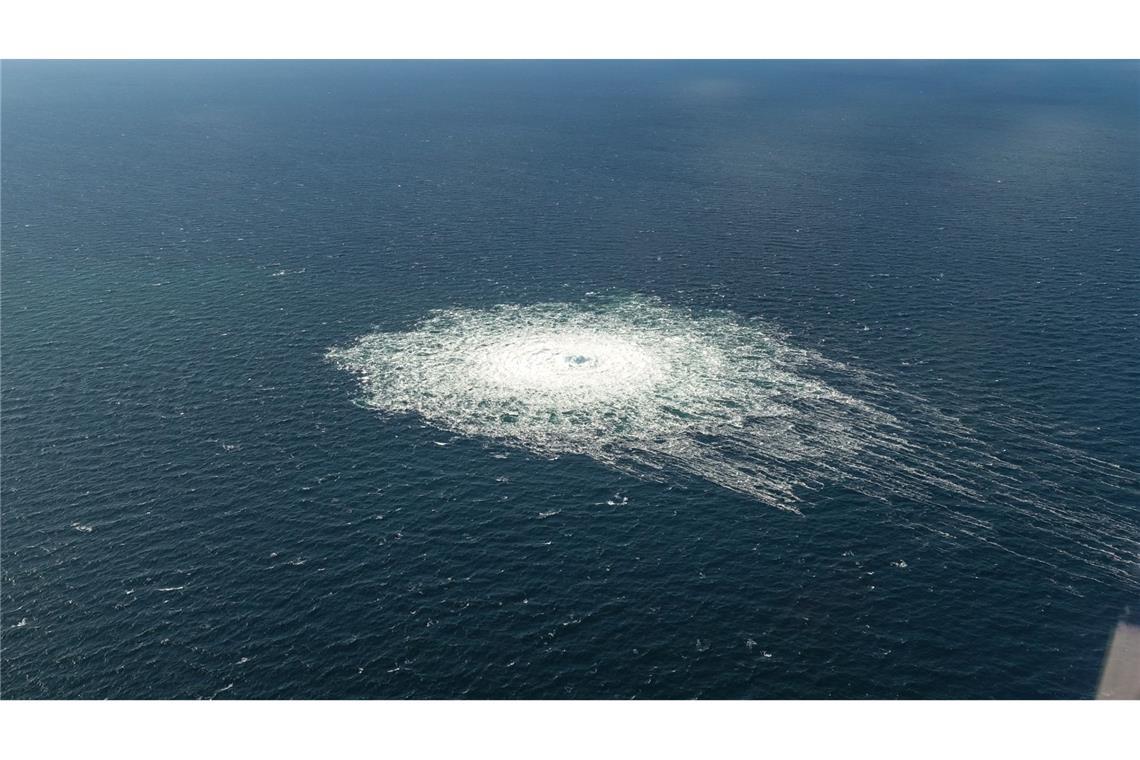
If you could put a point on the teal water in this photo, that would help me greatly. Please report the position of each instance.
(198, 502)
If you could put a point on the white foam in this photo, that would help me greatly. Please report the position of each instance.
(628, 382)
(658, 391)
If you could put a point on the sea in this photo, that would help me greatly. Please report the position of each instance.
(260, 322)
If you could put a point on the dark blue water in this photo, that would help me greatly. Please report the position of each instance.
(193, 504)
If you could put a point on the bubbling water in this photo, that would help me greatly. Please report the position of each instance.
(568, 366)
(628, 382)
(658, 392)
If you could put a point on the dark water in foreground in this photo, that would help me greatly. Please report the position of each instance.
(194, 506)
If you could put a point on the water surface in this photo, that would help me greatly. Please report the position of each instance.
(197, 502)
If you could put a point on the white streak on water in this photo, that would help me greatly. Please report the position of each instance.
(656, 391)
